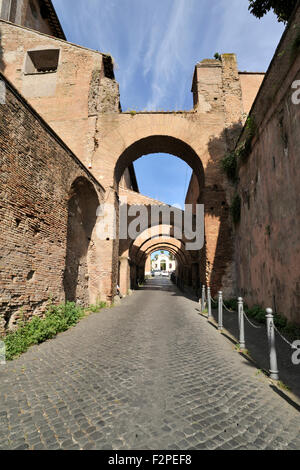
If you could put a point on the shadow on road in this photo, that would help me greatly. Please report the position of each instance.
(164, 284)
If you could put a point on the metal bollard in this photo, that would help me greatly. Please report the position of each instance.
(209, 315)
(203, 299)
(241, 323)
(271, 340)
(220, 310)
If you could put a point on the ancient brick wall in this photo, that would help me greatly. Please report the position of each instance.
(37, 174)
(70, 96)
(268, 235)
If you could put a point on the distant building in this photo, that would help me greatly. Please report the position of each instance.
(163, 262)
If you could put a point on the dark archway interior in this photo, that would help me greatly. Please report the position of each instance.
(82, 207)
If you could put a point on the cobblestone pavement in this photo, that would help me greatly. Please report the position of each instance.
(150, 374)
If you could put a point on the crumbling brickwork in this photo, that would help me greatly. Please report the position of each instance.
(37, 173)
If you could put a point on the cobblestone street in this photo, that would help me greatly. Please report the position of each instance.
(149, 374)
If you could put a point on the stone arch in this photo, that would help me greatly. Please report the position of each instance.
(202, 144)
(160, 144)
(131, 260)
(82, 207)
(179, 255)
(157, 243)
(144, 248)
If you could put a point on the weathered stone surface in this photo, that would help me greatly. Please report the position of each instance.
(37, 174)
(268, 236)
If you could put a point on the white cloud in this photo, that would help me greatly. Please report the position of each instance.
(157, 44)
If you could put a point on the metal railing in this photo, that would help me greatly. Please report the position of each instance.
(206, 299)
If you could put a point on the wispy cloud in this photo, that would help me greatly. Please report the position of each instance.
(157, 44)
(165, 52)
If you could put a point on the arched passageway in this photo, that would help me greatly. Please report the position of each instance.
(82, 207)
(133, 260)
(188, 136)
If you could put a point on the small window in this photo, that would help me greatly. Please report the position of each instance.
(45, 61)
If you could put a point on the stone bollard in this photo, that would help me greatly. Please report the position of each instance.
(203, 299)
(241, 323)
(272, 349)
(209, 315)
(220, 310)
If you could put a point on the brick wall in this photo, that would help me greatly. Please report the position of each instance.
(37, 172)
(268, 236)
(71, 97)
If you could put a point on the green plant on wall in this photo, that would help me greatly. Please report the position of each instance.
(229, 166)
(243, 150)
(235, 209)
(250, 125)
(230, 163)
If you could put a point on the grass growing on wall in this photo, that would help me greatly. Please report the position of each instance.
(57, 319)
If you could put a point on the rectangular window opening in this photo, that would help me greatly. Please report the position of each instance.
(44, 61)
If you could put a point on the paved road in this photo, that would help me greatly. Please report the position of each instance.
(150, 374)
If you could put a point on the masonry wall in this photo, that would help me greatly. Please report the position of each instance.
(71, 97)
(37, 173)
(268, 236)
(250, 84)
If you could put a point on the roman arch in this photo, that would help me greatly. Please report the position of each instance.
(196, 138)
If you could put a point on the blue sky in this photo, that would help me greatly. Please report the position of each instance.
(155, 45)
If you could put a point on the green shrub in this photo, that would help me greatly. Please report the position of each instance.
(97, 307)
(280, 321)
(57, 319)
(232, 304)
(257, 313)
(292, 330)
(229, 166)
(244, 149)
